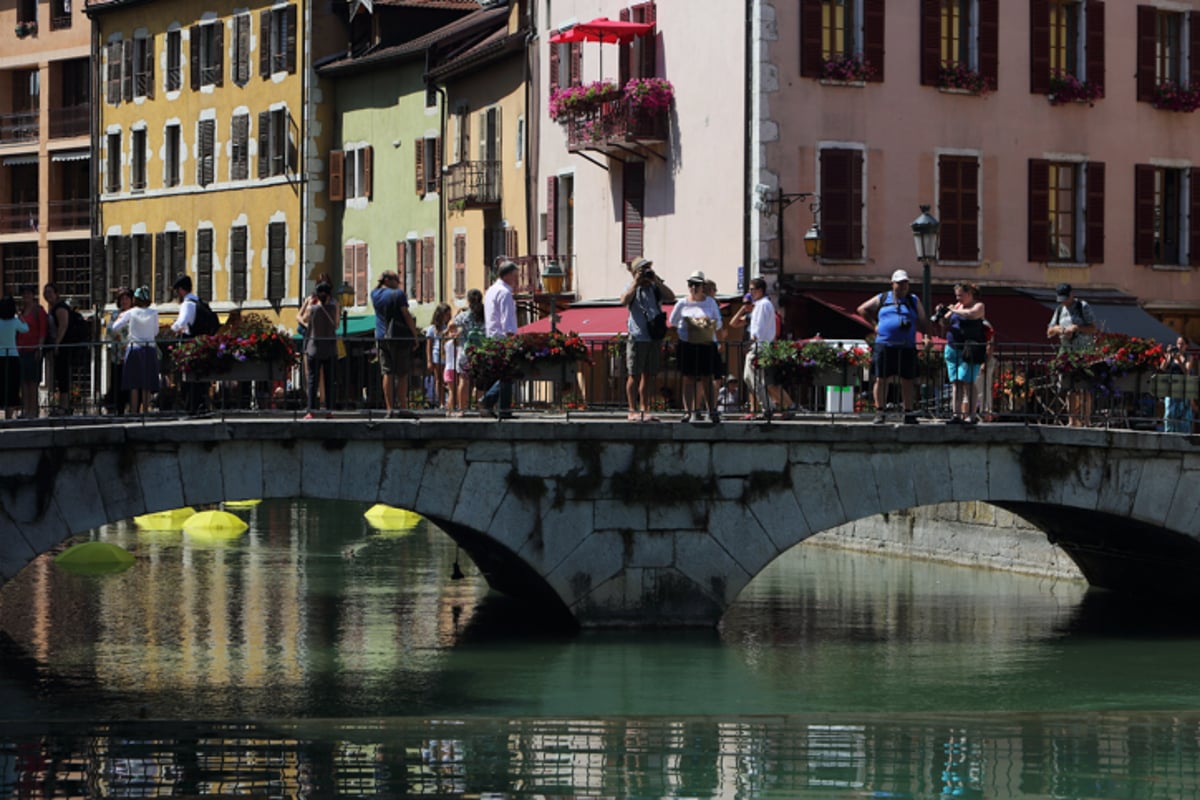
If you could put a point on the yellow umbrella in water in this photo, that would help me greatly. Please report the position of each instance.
(389, 518)
(215, 525)
(165, 520)
(240, 504)
(94, 558)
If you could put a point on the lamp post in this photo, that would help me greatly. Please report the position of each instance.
(345, 294)
(925, 239)
(552, 284)
(813, 241)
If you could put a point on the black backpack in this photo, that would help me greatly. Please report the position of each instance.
(205, 322)
(78, 331)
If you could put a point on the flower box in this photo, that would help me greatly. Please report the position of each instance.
(847, 70)
(1066, 88)
(832, 376)
(1171, 96)
(246, 371)
(253, 341)
(959, 77)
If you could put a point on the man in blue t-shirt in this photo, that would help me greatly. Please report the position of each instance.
(395, 338)
(897, 316)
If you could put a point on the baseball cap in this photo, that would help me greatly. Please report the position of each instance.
(899, 276)
(1063, 291)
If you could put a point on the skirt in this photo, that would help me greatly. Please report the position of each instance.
(696, 360)
(10, 381)
(141, 369)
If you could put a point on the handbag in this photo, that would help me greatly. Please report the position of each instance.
(700, 330)
(657, 327)
(341, 348)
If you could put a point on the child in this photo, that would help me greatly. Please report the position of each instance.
(433, 354)
(728, 398)
(450, 373)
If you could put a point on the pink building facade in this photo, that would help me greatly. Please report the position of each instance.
(1053, 139)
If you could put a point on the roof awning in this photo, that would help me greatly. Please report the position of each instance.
(1115, 312)
(71, 155)
(21, 161)
(593, 322)
(603, 30)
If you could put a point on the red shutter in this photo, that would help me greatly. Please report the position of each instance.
(437, 164)
(554, 56)
(1147, 44)
(576, 74)
(873, 19)
(1039, 210)
(414, 293)
(427, 293)
(348, 264)
(367, 156)
(360, 274)
(989, 42)
(1094, 213)
(958, 207)
(625, 53)
(551, 217)
(419, 156)
(633, 202)
(337, 165)
(649, 66)
(1039, 46)
(1194, 218)
(460, 265)
(401, 268)
(1143, 213)
(1193, 23)
(931, 41)
(811, 58)
(841, 202)
(1094, 44)
(857, 203)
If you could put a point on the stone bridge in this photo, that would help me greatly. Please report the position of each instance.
(622, 524)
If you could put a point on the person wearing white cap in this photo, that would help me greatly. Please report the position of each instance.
(697, 318)
(897, 316)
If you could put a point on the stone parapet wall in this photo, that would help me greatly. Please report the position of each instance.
(971, 534)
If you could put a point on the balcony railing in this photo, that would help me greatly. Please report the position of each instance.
(19, 217)
(69, 121)
(471, 184)
(70, 214)
(19, 127)
(531, 272)
(613, 124)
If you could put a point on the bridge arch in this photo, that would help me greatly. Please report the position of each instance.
(621, 524)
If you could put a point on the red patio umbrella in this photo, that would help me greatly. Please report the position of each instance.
(603, 30)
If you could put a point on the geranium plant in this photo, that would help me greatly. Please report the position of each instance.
(554, 348)
(959, 76)
(1066, 88)
(649, 95)
(1110, 355)
(253, 338)
(847, 69)
(791, 360)
(507, 358)
(1172, 96)
(572, 100)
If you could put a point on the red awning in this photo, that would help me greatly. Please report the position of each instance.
(595, 322)
(603, 30)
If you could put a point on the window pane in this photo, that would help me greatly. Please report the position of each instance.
(1062, 212)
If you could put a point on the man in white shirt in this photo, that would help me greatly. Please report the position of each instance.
(760, 324)
(500, 319)
(194, 393)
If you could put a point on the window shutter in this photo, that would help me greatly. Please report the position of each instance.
(337, 162)
(160, 268)
(100, 277)
(1039, 210)
(178, 255)
(633, 203)
(127, 69)
(144, 259)
(240, 169)
(1147, 45)
(219, 46)
(551, 217)
(625, 53)
(811, 58)
(841, 202)
(112, 87)
(276, 254)
(554, 58)
(482, 116)
(348, 263)
(264, 144)
(1039, 46)
(958, 208)
(1194, 217)
(264, 43)
(367, 154)
(460, 265)
(437, 164)
(427, 270)
(1143, 213)
(237, 259)
(873, 21)
(401, 267)
(125, 259)
(206, 155)
(857, 203)
(512, 244)
(204, 256)
(649, 66)
(419, 154)
(989, 42)
(360, 274)
(291, 38)
(418, 271)
(149, 67)
(1094, 213)
(194, 55)
(1193, 25)
(931, 41)
(1094, 44)
(576, 75)
(241, 67)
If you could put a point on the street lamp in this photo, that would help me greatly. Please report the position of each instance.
(925, 239)
(813, 242)
(552, 284)
(345, 299)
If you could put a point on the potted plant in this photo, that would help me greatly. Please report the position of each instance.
(1114, 362)
(1066, 88)
(648, 96)
(574, 100)
(252, 349)
(847, 69)
(834, 366)
(1172, 96)
(959, 76)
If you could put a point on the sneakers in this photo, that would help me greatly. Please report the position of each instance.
(880, 418)
(715, 416)
(910, 418)
(309, 415)
(687, 417)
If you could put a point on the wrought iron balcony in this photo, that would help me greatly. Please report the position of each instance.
(69, 121)
(19, 217)
(73, 213)
(612, 125)
(472, 184)
(19, 127)
(530, 282)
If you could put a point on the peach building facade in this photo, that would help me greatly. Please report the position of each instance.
(1053, 139)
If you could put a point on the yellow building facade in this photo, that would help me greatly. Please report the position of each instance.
(210, 143)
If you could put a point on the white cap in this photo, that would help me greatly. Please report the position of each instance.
(899, 276)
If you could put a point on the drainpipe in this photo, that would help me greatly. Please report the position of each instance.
(302, 167)
(750, 144)
(443, 295)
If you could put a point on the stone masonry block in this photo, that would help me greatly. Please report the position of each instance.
(201, 470)
(48, 530)
(489, 450)
(514, 521)
(563, 529)
(677, 517)
(597, 559)
(968, 472)
(321, 468)
(1119, 486)
(362, 471)
(621, 516)
(735, 528)
(440, 484)
(1155, 491)
(242, 470)
(117, 477)
(615, 458)
(162, 486)
(1185, 505)
(731, 488)
(281, 469)
(77, 481)
(708, 564)
(1080, 488)
(403, 471)
(859, 496)
(1004, 474)
(735, 458)
(679, 458)
(816, 494)
(546, 459)
(482, 491)
(651, 550)
(930, 470)
(781, 517)
(893, 480)
(805, 453)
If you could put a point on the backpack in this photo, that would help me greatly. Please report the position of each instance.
(205, 322)
(77, 328)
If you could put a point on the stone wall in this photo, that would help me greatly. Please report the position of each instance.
(973, 534)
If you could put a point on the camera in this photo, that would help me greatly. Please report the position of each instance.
(905, 324)
(647, 274)
(940, 312)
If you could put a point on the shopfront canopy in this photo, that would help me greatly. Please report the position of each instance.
(603, 30)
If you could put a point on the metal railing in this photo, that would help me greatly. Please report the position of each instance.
(21, 126)
(18, 217)
(472, 183)
(70, 213)
(616, 122)
(69, 121)
(1019, 385)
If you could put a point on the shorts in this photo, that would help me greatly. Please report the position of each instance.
(642, 358)
(718, 363)
(31, 366)
(395, 356)
(957, 369)
(449, 375)
(889, 360)
(696, 360)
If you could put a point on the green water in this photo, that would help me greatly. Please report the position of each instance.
(316, 657)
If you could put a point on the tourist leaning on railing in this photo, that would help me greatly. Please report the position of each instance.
(1177, 408)
(140, 370)
(10, 363)
(29, 349)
